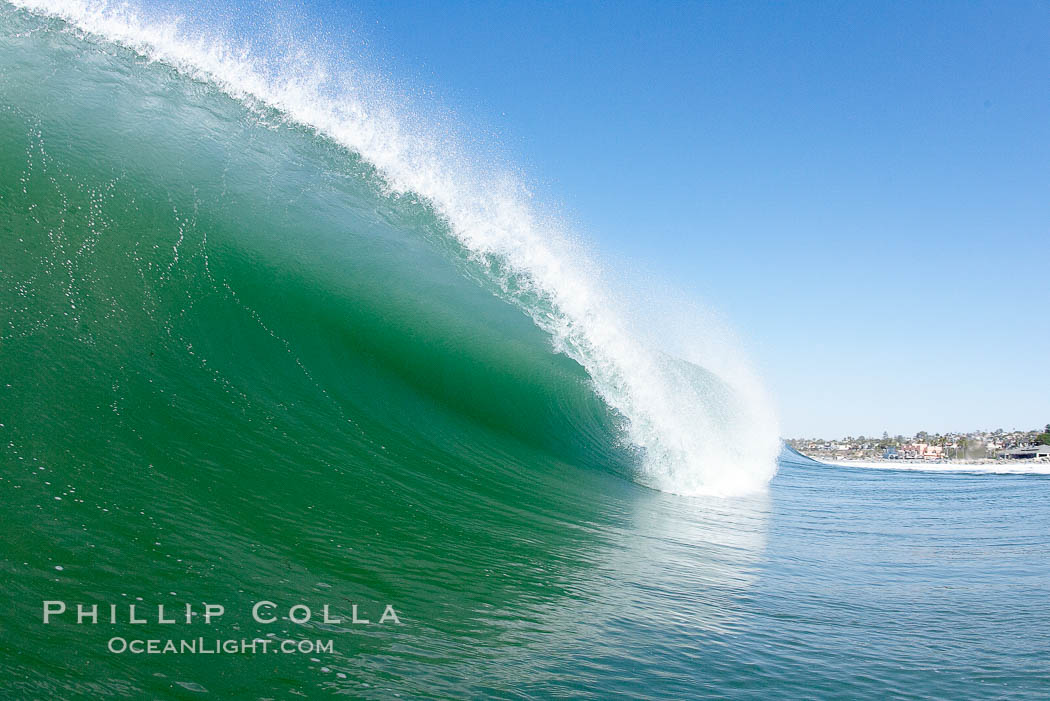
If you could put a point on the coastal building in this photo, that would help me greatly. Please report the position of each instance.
(1030, 452)
(922, 451)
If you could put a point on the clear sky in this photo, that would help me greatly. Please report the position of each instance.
(862, 189)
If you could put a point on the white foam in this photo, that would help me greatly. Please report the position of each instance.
(694, 441)
(996, 468)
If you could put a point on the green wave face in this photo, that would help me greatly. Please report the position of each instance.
(250, 369)
(236, 365)
(698, 425)
(164, 232)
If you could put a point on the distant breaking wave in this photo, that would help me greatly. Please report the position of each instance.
(1021, 468)
(418, 237)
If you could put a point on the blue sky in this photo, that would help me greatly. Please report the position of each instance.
(862, 190)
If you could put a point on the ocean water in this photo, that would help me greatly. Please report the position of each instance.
(261, 341)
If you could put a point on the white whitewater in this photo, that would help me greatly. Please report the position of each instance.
(996, 468)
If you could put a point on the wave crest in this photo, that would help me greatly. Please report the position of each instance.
(701, 425)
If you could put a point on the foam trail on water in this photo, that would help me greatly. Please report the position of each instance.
(702, 426)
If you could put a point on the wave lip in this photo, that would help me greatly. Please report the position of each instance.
(702, 427)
